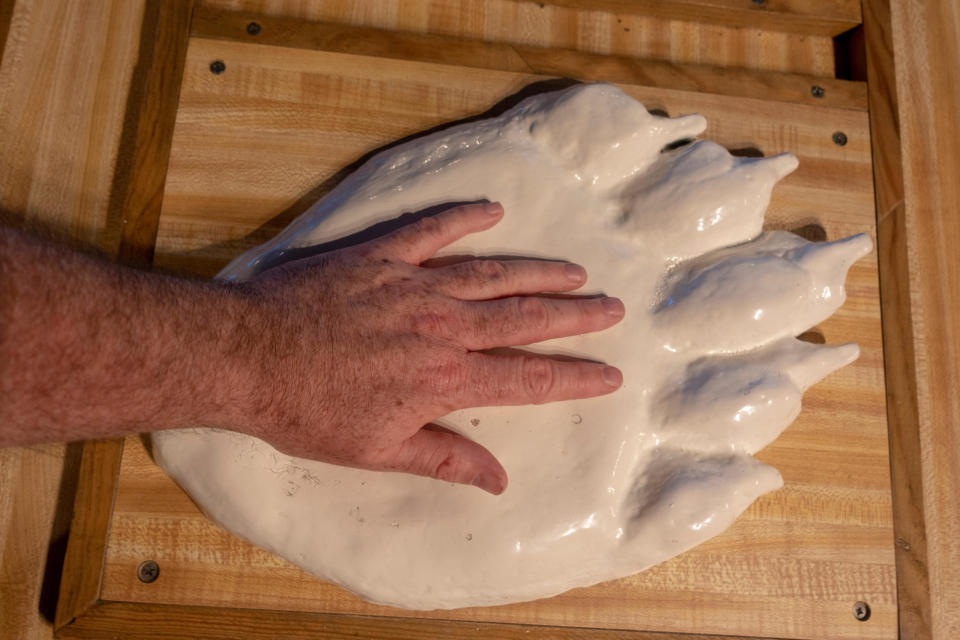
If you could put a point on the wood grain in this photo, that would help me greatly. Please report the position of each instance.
(60, 121)
(339, 38)
(64, 74)
(93, 506)
(148, 129)
(142, 622)
(926, 43)
(137, 188)
(559, 27)
(35, 491)
(251, 147)
(913, 589)
(819, 17)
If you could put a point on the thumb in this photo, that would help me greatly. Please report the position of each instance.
(445, 455)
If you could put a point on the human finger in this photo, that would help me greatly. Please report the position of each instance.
(518, 379)
(419, 240)
(484, 279)
(523, 320)
(445, 455)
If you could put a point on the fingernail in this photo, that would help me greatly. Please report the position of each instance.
(489, 483)
(493, 208)
(575, 272)
(613, 307)
(612, 376)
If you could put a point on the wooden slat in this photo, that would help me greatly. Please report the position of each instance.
(340, 38)
(304, 34)
(6, 15)
(160, 622)
(64, 74)
(763, 85)
(926, 237)
(138, 188)
(913, 590)
(256, 144)
(63, 86)
(148, 129)
(93, 506)
(817, 17)
(557, 27)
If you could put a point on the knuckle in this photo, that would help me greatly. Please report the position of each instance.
(533, 313)
(443, 464)
(538, 377)
(491, 271)
(446, 377)
(586, 312)
(448, 469)
(428, 225)
(430, 323)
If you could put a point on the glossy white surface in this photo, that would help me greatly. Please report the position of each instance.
(599, 488)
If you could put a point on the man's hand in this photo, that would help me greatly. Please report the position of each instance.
(343, 357)
(362, 347)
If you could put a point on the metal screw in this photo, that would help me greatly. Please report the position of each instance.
(839, 138)
(759, 1)
(817, 91)
(861, 611)
(148, 571)
(253, 28)
(217, 67)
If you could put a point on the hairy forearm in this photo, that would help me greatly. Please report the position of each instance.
(91, 349)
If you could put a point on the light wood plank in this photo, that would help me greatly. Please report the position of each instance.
(33, 528)
(148, 129)
(139, 621)
(60, 121)
(93, 507)
(570, 63)
(913, 587)
(818, 17)
(64, 75)
(251, 147)
(560, 27)
(926, 42)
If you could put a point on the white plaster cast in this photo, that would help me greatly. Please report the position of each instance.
(599, 488)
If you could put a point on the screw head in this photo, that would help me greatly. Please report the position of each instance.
(254, 28)
(217, 67)
(817, 91)
(148, 571)
(759, 1)
(839, 138)
(861, 611)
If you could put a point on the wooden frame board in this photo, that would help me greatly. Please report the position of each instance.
(82, 612)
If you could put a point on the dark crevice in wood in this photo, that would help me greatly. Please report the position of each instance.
(850, 55)
(57, 550)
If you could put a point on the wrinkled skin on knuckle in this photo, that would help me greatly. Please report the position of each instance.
(445, 378)
(538, 378)
(430, 323)
(489, 272)
(428, 226)
(533, 315)
(449, 468)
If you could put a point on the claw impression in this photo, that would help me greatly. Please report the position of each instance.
(712, 372)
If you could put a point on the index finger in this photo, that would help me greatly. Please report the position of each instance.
(420, 240)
